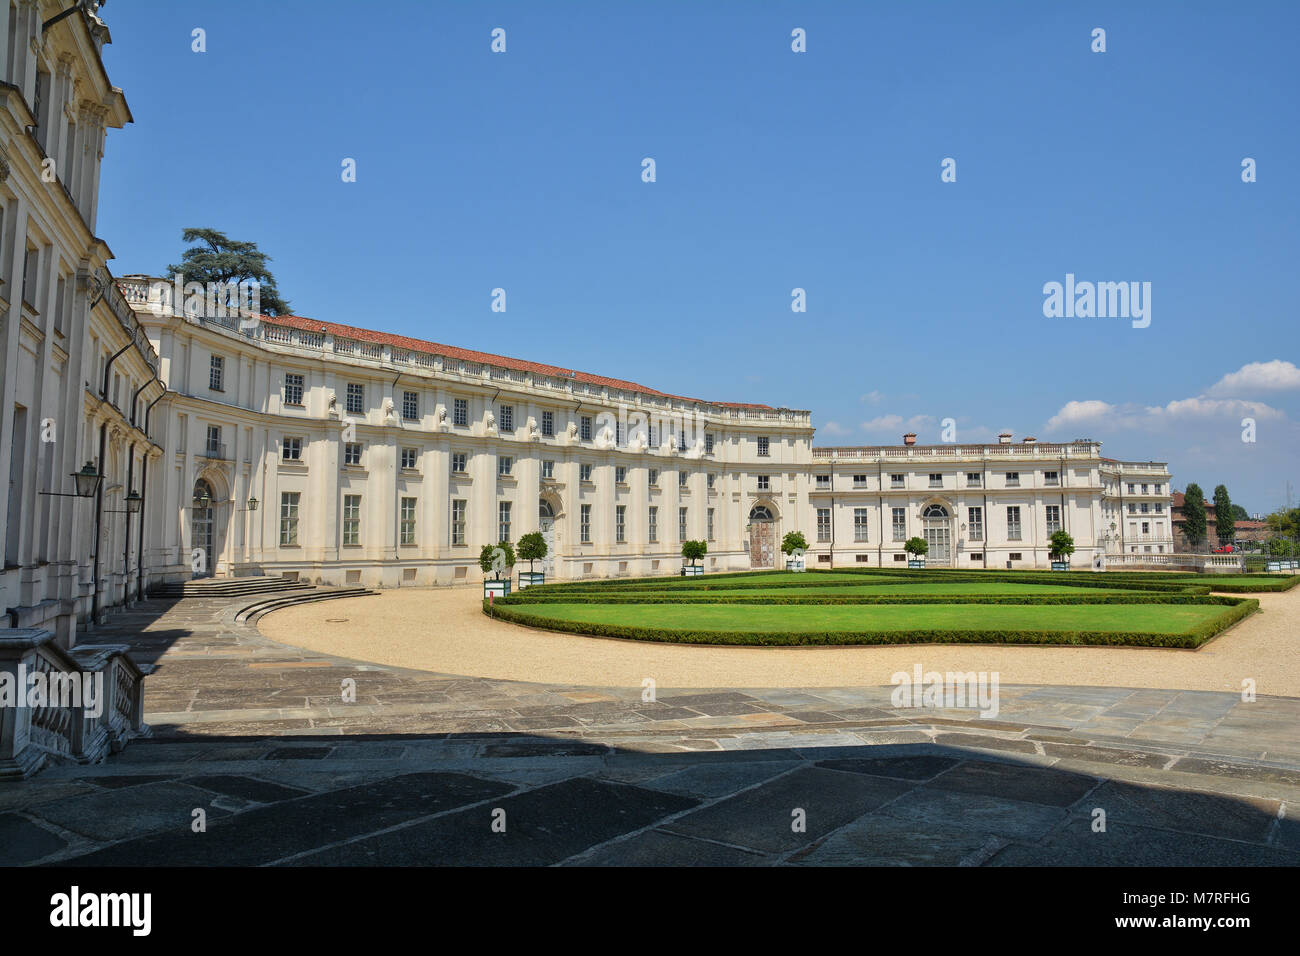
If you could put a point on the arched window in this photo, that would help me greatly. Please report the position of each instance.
(760, 513)
(544, 509)
(203, 493)
(935, 511)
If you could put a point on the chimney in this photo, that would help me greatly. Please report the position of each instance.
(909, 438)
(1030, 439)
(1004, 438)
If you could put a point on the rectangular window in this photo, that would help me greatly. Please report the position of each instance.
(618, 434)
(936, 481)
(708, 444)
(896, 481)
(1144, 489)
(653, 477)
(681, 524)
(503, 521)
(1014, 556)
(652, 529)
(291, 450)
(900, 523)
(409, 456)
(351, 519)
(584, 524)
(681, 479)
(460, 412)
(1146, 527)
(763, 448)
(764, 482)
(1051, 478)
(408, 521)
(505, 464)
(709, 519)
(352, 453)
(975, 523)
(458, 463)
(214, 442)
(506, 418)
(1013, 479)
(289, 519)
(217, 374)
(584, 428)
(1132, 488)
(823, 524)
(292, 389)
(548, 424)
(823, 482)
(709, 481)
(620, 523)
(458, 521)
(859, 481)
(584, 472)
(356, 399)
(973, 479)
(1053, 518)
(548, 469)
(410, 406)
(681, 440)
(1013, 523)
(861, 524)
(620, 475)
(977, 556)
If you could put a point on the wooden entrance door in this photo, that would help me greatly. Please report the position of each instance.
(762, 544)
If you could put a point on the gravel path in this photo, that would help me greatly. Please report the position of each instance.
(444, 630)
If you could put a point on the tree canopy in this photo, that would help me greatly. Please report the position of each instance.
(1194, 514)
(217, 258)
(693, 551)
(793, 540)
(1225, 522)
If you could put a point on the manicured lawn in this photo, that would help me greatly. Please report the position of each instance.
(846, 590)
(1124, 618)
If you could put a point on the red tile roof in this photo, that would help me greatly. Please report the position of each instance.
(486, 358)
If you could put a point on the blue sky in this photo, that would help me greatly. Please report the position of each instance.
(775, 170)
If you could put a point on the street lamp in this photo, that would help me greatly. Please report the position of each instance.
(133, 503)
(252, 504)
(87, 482)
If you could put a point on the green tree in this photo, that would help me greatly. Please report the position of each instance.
(532, 547)
(217, 258)
(916, 546)
(1194, 514)
(694, 551)
(1062, 545)
(1239, 513)
(487, 558)
(1279, 547)
(793, 540)
(1225, 523)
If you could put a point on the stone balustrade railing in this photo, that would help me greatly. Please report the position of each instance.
(46, 713)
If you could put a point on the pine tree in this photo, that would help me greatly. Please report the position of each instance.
(220, 259)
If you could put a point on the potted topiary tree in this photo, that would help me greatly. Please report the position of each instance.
(493, 559)
(918, 549)
(794, 544)
(1061, 547)
(532, 547)
(693, 551)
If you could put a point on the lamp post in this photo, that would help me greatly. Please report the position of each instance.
(133, 501)
(86, 482)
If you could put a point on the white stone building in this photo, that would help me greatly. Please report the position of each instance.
(76, 372)
(343, 455)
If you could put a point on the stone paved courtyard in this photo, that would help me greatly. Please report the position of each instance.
(416, 770)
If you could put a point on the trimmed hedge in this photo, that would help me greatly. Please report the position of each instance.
(519, 598)
(1189, 639)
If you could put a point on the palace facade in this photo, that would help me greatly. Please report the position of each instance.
(145, 443)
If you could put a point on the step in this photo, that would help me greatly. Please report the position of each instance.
(252, 612)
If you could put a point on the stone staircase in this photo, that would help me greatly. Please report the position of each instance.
(227, 587)
(250, 613)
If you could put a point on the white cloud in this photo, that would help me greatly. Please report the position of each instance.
(873, 397)
(895, 422)
(1258, 376)
(834, 428)
(1099, 415)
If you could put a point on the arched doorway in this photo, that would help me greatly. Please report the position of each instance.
(936, 528)
(546, 525)
(762, 537)
(202, 553)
